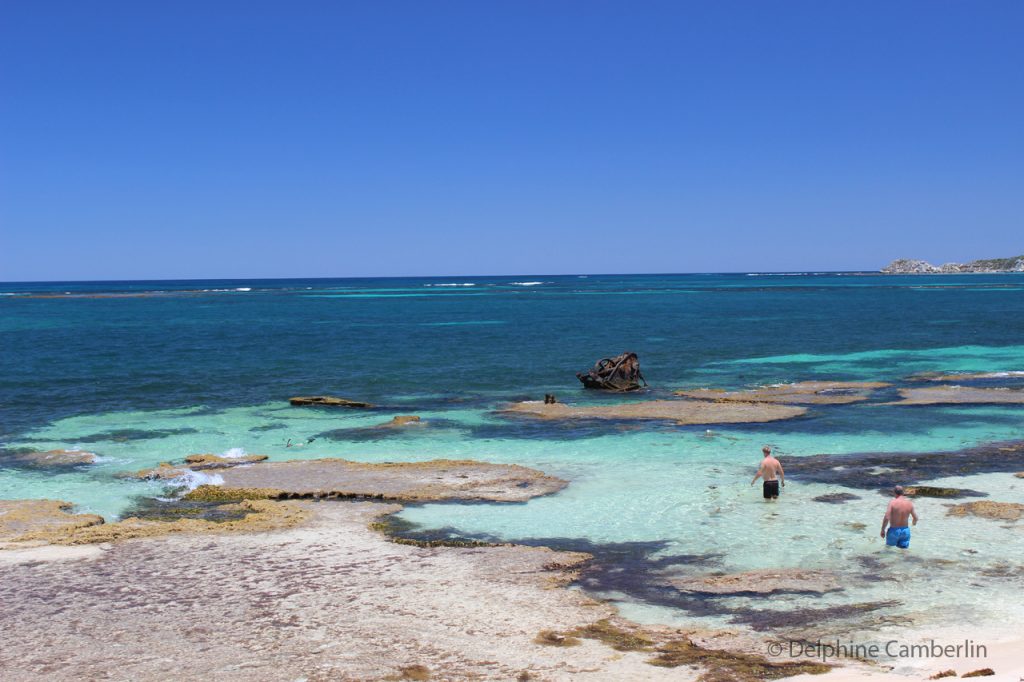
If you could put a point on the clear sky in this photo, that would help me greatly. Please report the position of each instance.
(274, 139)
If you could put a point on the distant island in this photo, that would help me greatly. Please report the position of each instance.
(908, 266)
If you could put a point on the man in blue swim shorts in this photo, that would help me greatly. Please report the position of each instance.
(896, 515)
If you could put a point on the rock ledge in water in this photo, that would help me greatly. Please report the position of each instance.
(679, 411)
(959, 395)
(326, 401)
(799, 393)
(21, 517)
(53, 458)
(404, 481)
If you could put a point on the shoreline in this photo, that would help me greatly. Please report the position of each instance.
(280, 598)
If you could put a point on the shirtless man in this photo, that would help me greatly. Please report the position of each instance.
(896, 515)
(769, 469)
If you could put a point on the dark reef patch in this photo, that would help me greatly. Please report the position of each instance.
(882, 470)
(153, 509)
(126, 435)
(764, 620)
(836, 498)
(267, 427)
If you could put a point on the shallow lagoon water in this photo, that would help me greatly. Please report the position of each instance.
(150, 379)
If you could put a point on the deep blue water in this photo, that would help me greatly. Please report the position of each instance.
(78, 348)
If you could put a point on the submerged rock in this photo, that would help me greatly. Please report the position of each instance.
(836, 498)
(21, 517)
(932, 491)
(621, 373)
(679, 411)
(52, 458)
(761, 581)
(1002, 511)
(404, 420)
(799, 393)
(414, 481)
(327, 401)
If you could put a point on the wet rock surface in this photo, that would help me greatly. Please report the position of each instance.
(410, 481)
(209, 461)
(680, 411)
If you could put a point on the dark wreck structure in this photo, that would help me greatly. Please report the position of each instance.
(621, 373)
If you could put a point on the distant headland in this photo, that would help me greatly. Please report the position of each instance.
(908, 266)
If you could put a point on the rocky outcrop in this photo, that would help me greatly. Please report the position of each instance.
(209, 461)
(680, 411)
(1001, 511)
(52, 458)
(25, 517)
(253, 515)
(799, 393)
(621, 373)
(762, 581)
(167, 471)
(327, 401)
(907, 266)
(402, 481)
(403, 420)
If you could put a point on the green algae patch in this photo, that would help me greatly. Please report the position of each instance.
(933, 491)
(617, 638)
(728, 666)
(552, 638)
(256, 516)
(216, 493)
(390, 526)
(25, 517)
(1000, 511)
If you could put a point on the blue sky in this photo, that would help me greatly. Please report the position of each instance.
(233, 139)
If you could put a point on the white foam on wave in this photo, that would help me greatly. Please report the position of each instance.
(233, 453)
(244, 289)
(193, 479)
(452, 284)
(527, 284)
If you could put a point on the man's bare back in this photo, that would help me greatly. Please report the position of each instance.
(772, 473)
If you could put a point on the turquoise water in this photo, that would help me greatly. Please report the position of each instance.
(141, 373)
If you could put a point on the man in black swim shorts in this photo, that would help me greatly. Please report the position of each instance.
(771, 470)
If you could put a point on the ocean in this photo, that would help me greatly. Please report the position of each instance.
(145, 372)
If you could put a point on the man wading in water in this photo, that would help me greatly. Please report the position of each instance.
(896, 515)
(770, 468)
